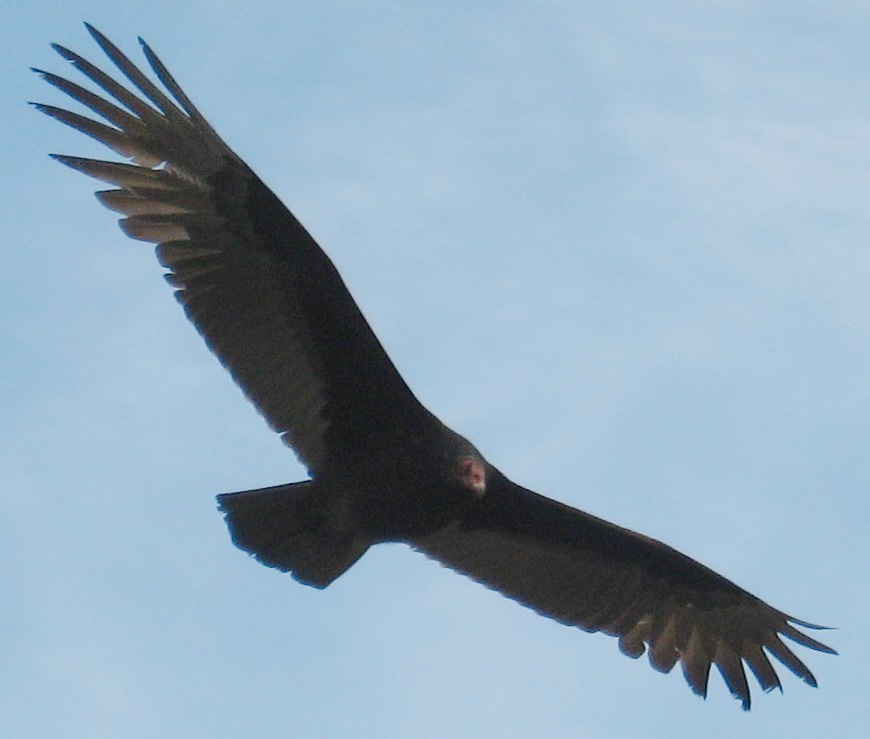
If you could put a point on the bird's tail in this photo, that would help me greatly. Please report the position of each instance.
(288, 527)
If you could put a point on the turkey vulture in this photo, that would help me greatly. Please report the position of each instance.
(273, 308)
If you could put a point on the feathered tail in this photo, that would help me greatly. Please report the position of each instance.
(288, 527)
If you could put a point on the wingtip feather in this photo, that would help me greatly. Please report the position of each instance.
(95, 33)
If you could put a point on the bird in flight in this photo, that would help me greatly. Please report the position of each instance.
(274, 310)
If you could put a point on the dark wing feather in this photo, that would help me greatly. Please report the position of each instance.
(257, 286)
(583, 571)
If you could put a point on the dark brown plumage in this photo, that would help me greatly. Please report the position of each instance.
(273, 308)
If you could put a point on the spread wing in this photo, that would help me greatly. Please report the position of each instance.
(585, 572)
(256, 285)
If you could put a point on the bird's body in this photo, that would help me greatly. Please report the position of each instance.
(273, 308)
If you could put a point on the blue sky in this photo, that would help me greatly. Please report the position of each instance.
(623, 250)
